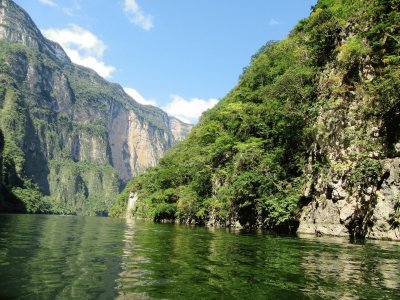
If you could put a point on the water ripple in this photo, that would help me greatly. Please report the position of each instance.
(50, 257)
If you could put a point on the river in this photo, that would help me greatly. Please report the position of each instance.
(56, 257)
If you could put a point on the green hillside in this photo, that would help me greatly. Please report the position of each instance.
(69, 134)
(252, 157)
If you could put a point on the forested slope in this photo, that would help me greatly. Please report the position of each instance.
(311, 128)
(71, 138)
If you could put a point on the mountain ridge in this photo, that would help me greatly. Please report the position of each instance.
(72, 139)
(17, 26)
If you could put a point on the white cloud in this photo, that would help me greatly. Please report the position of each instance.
(48, 2)
(69, 11)
(72, 9)
(188, 111)
(139, 98)
(136, 15)
(91, 62)
(76, 36)
(273, 22)
(82, 46)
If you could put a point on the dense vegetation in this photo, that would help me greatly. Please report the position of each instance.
(12, 122)
(39, 173)
(246, 159)
(68, 135)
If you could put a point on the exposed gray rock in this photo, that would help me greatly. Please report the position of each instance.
(179, 129)
(351, 195)
(133, 197)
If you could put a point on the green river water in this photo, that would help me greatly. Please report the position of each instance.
(55, 257)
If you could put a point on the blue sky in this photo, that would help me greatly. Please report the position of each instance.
(181, 55)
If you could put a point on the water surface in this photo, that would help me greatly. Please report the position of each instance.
(53, 257)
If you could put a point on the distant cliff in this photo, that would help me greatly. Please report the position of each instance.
(308, 141)
(72, 139)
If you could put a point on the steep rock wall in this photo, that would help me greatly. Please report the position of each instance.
(69, 134)
(353, 169)
(179, 129)
(16, 26)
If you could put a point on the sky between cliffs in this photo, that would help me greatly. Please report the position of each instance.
(180, 55)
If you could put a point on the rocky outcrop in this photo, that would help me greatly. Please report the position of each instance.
(69, 132)
(334, 210)
(133, 197)
(353, 169)
(179, 129)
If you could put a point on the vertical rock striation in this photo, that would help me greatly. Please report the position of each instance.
(354, 164)
(179, 129)
(69, 134)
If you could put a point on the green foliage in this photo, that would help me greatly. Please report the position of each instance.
(40, 135)
(384, 38)
(245, 159)
(229, 166)
(119, 207)
(352, 51)
(32, 199)
(366, 172)
(164, 211)
(93, 92)
(386, 90)
(83, 188)
(188, 205)
(94, 129)
(320, 32)
(395, 215)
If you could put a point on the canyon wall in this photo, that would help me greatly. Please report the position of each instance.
(71, 137)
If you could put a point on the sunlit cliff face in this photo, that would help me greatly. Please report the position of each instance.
(75, 135)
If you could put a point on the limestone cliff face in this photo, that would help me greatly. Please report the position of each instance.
(136, 144)
(179, 129)
(354, 164)
(69, 132)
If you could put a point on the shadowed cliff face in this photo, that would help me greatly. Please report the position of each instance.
(69, 134)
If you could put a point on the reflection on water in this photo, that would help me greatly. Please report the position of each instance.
(47, 257)
(177, 262)
(354, 271)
